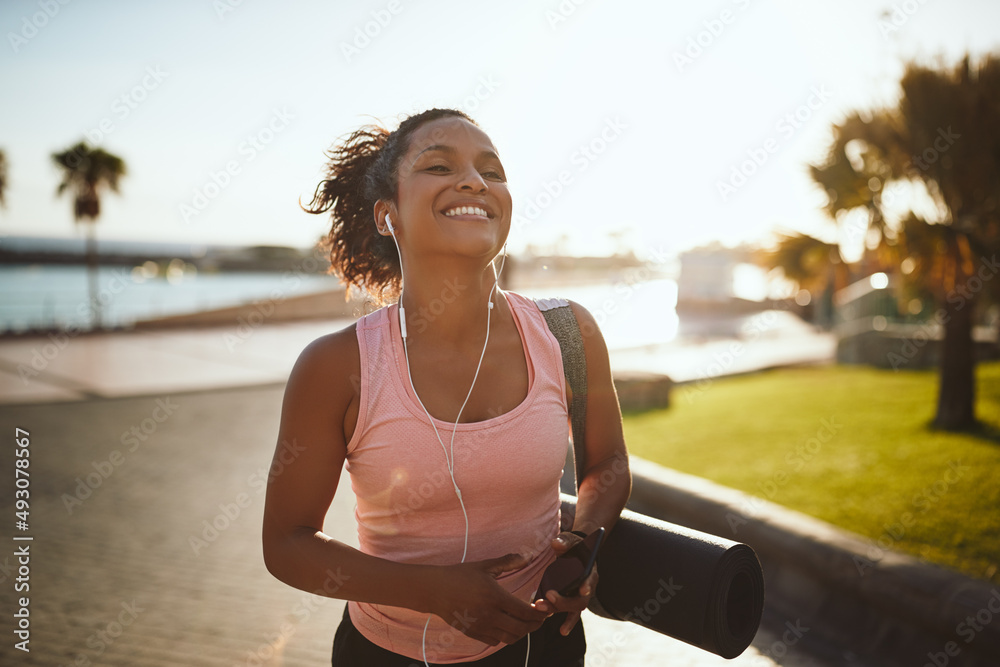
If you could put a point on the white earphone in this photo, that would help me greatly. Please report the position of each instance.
(449, 459)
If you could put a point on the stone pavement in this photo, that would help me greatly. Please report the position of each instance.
(146, 512)
(62, 367)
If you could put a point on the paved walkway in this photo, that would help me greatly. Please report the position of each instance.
(146, 511)
(59, 368)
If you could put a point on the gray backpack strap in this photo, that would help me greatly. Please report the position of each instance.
(562, 322)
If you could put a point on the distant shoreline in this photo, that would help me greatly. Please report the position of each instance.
(54, 301)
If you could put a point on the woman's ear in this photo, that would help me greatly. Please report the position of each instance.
(384, 218)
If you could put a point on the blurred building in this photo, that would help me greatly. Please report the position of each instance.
(876, 325)
(707, 274)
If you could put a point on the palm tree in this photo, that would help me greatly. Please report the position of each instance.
(815, 265)
(941, 140)
(812, 263)
(3, 178)
(87, 172)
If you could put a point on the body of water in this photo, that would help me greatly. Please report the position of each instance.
(629, 314)
(48, 295)
(641, 326)
(639, 321)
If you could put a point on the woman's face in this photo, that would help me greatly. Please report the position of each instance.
(452, 194)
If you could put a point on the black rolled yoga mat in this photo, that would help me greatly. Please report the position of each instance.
(704, 590)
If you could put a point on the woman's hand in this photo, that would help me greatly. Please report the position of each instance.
(468, 597)
(553, 602)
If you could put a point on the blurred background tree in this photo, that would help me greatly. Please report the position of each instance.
(86, 172)
(3, 178)
(926, 175)
(812, 263)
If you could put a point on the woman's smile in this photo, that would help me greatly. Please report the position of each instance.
(472, 211)
(453, 183)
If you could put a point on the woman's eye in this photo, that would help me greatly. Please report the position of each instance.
(492, 174)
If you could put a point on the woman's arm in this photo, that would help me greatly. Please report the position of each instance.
(606, 481)
(304, 476)
(305, 472)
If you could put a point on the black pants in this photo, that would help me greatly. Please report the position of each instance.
(548, 649)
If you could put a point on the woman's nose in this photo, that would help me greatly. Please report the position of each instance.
(471, 179)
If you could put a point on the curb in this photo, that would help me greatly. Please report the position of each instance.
(642, 390)
(895, 609)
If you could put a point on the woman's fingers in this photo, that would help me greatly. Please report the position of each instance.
(565, 541)
(486, 610)
(508, 563)
(496, 625)
(571, 619)
(563, 603)
(589, 587)
(509, 628)
(574, 605)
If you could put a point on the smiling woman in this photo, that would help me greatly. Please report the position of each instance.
(457, 486)
(366, 171)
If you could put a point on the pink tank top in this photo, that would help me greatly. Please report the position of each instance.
(507, 467)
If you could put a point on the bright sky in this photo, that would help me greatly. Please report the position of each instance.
(183, 90)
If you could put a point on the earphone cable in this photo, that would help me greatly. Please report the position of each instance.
(450, 460)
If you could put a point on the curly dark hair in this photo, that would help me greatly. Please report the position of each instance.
(362, 169)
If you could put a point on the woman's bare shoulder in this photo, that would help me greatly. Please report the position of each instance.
(329, 365)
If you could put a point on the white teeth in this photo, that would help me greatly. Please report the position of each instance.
(466, 210)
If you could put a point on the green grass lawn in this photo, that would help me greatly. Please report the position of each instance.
(849, 445)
